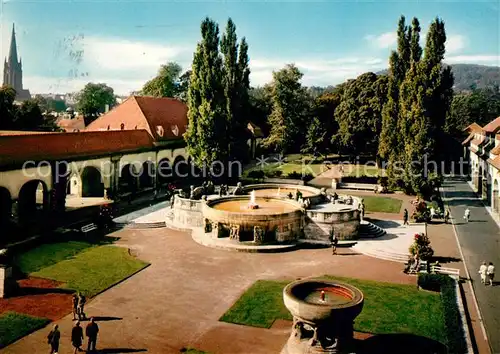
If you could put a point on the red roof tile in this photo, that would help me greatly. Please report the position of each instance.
(71, 125)
(474, 127)
(495, 162)
(469, 138)
(493, 126)
(164, 118)
(20, 148)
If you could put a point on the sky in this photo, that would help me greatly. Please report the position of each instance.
(66, 43)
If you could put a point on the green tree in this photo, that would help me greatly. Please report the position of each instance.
(316, 138)
(206, 135)
(49, 104)
(183, 86)
(359, 115)
(29, 116)
(236, 85)
(289, 111)
(165, 83)
(92, 100)
(7, 108)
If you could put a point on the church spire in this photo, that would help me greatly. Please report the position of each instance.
(13, 47)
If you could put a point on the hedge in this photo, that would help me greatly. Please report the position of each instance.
(453, 321)
(360, 179)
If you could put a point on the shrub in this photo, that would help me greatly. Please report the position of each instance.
(360, 179)
(257, 174)
(294, 175)
(307, 177)
(453, 321)
(421, 246)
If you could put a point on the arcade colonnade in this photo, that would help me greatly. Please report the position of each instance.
(28, 194)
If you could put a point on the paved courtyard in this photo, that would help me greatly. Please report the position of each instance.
(177, 301)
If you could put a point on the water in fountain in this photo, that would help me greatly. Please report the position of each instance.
(327, 298)
(252, 198)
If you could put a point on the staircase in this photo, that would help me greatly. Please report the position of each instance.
(141, 225)
(370, 230)
(390, 243)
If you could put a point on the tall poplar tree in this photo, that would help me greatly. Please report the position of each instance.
(206, 135)
(236, 85)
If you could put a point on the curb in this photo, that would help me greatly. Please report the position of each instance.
(480, 317)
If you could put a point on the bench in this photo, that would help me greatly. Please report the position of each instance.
(453, 272)
(358, 186)
(88, 228)
(422, 268)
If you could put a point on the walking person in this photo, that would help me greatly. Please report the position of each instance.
(91, 331)
(53, 339)
(447, 216)
(75, 306)
(490, 272)
(482, 272)
(467, 215)
(405, 217)
(81, 306)
(362, 208)
(333, 241)
(77, 337)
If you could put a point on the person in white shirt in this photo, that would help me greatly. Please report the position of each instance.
(482, 272)
(490, 272)
(467, 215)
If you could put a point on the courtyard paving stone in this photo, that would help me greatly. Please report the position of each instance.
(177, 301)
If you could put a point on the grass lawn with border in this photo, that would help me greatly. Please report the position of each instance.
(15, 325)
(93, 270)
(382, 204)
(48, 254)
(389, 308)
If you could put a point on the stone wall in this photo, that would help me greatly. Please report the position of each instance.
(187, 212)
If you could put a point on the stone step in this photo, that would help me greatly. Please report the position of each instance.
(382, 255)
(142, 225)
(370, 230)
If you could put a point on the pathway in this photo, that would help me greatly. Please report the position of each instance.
(177, 301)
(479, 240)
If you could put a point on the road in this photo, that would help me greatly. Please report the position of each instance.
(480, 241)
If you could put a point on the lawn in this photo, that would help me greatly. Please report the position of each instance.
(14, 326)
(93, 270)
(382, 204)
(388, 308)
(314, 168)
(48, 254)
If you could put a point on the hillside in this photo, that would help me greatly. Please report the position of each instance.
(469, 75)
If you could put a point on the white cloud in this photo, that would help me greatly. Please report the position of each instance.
(383, 41)
(474, 59)
(117, 55)
(454, 42)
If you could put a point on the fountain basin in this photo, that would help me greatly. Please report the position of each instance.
(270, 190)
(274, 221)
(343, 302)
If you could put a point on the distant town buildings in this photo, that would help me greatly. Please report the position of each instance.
(13, 71)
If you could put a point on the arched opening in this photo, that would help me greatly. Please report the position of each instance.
(128, 179)
(146, 178)
(73, 186)
(92, 185)
(495, 197)
(33, 201)
(181, 169)
(5, 206)
(164, 171)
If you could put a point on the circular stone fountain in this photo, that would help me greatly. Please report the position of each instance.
(271, 190)
(254, 219)
(323, 316)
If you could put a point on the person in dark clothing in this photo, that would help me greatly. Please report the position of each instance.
(91, 331)
(333, 241)
(405, 217)
(77, 337)
(53, 339)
